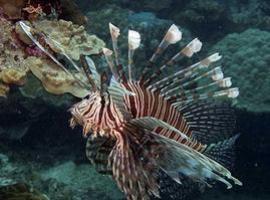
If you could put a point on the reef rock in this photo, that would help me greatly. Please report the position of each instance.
(246, 59)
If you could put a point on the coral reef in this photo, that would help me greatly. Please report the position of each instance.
(71, 37)
(12, 56)
(246, 58)
(54, 79)
(18, 54)
(13, 8)
(13, 76)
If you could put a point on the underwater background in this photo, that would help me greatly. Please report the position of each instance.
(39, 150)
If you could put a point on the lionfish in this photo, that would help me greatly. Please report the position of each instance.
(145, 131)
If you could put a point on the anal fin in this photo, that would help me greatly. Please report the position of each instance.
(223, 152)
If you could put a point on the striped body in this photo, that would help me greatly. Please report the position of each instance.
(106, 119)
(147, 102)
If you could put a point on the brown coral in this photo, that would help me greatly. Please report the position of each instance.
(54, 79)
(12, 68)
(70, 37)
(13, 76)
(12, 8)
(18, 54)
(4, 89)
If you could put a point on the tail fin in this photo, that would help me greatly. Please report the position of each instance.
(223, 152)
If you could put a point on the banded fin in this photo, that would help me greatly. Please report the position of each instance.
(175, 158)
(209, 122)
(97, 151)
(170, 190)
(188, 72)
(117, 93)
(88, 72)
(197, 97)
(188, 51)
(223, 151)
(178, 158)
(134, 173)
(151, 123)
(172, 36)
(115, 33)
(134, 40)
(108, 56)
(92, 70)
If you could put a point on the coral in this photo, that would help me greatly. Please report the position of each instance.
(13, 76)
(71, 37)
(11, 55)
(18, 54)
(4, 89)
(246, 60)
(32, 12)
(13, 8)
(12, 68)
(54, 79)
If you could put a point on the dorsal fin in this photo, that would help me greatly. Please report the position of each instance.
(104, 83)
(134, 40)
(108, 56)
(87, 72)
(93, 70)
(189, 50)
(172, 36)
(115, 32)
(117, 93)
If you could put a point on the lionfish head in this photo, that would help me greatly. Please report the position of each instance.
(85, 113)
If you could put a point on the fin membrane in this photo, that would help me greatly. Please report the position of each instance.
(210, 122)
(223, 152)
(97, 152)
